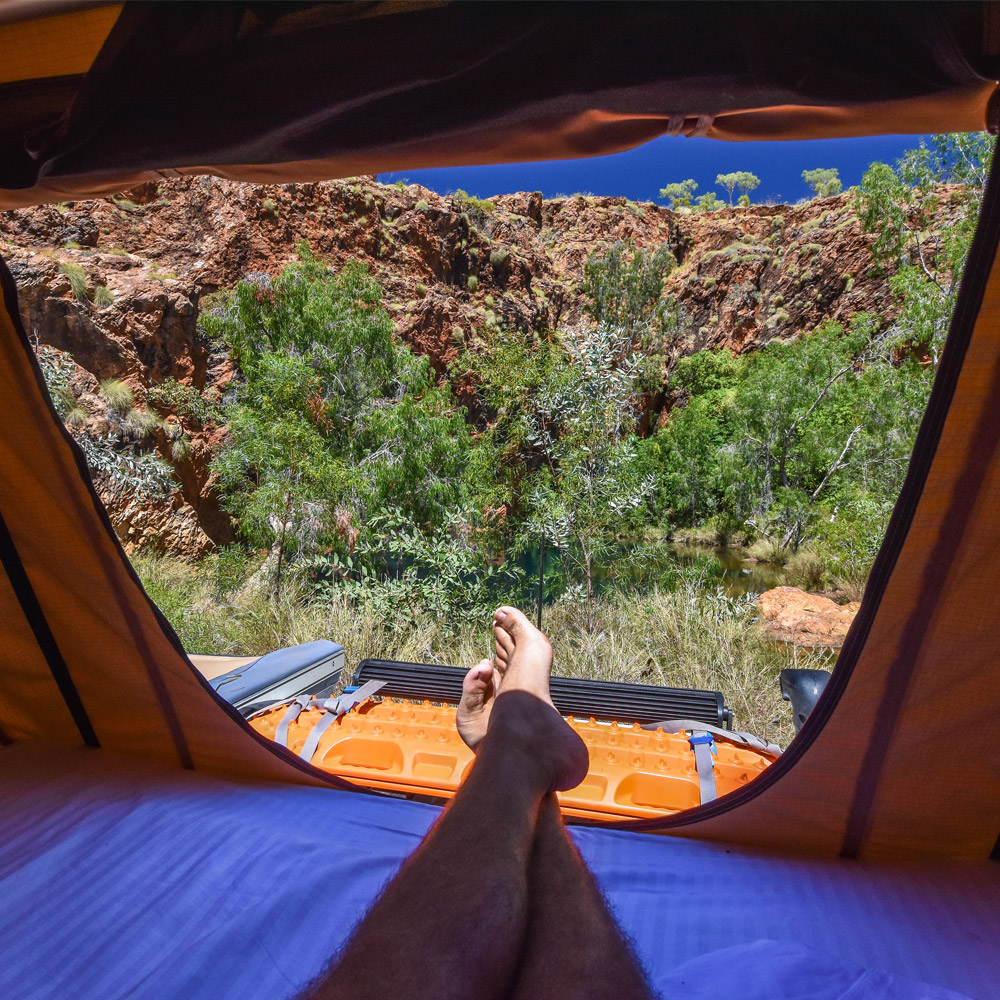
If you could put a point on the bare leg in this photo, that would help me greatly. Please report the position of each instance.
(573, 946)
(452, 923)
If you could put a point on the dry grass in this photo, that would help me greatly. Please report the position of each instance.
(767, 550)
(690, 637)
(806, 569)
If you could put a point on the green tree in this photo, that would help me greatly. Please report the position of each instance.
(332, 422)
(679, 193)
(582, 423)
(624, 288)
(823, 181)
(742, 179)
(904, 207)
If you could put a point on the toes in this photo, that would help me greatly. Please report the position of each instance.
(513, 621)
(476, 682)
(505, 645)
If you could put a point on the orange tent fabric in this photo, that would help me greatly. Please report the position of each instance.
(901, 757)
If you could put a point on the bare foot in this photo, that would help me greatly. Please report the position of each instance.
(479, 688)
(522, 710)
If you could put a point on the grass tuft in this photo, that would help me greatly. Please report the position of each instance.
(142, 423)
(117, 395)
(77, 280)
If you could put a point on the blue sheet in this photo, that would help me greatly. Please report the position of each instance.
(123, 879)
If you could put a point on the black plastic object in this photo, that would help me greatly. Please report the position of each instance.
(572, 696)
(313, 668)
(802, 688)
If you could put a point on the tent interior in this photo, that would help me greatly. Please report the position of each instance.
(153, 845)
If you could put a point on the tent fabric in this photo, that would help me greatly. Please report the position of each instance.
(161, 884)
(876, 769)
(900, 757)
(84, 655)
(281, 92)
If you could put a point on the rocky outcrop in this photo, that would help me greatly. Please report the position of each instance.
(791, 615)
(456, 273)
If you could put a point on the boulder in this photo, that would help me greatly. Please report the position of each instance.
(792, 615)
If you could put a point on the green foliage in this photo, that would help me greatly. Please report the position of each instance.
(925, 260)
(119, 470)
(118, 396)
(186, 401)
(708, 203)
(562, 435)
(422, 206)
(475, 206)
(270, 206)
(823, 181)
(778, 440)
(742, 179)
(679, 193)
(473, 283)
(498, 257)
(77, 280)
(624, 288)
(334, 424)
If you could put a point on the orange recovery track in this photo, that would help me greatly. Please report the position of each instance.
(414, 747)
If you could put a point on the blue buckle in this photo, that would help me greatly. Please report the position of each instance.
(701, 740)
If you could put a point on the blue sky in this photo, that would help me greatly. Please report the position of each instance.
(640, 173)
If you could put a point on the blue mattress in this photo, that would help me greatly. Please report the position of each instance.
(124, 879)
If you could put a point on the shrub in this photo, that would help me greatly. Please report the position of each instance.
(117, 395)
(77, 280)
(478, 206)
(473, 283)
(103, 296)
(422, 206)
(270, 206)
(421, 288)
(185, 400)
(498, 257)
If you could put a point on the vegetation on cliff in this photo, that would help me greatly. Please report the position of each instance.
(414, 497)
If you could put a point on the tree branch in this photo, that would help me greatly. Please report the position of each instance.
(839, 464)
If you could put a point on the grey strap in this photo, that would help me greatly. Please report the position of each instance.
(740, 739)
(334, 708)
(316, 734)
(293, 711)
(704, 748)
